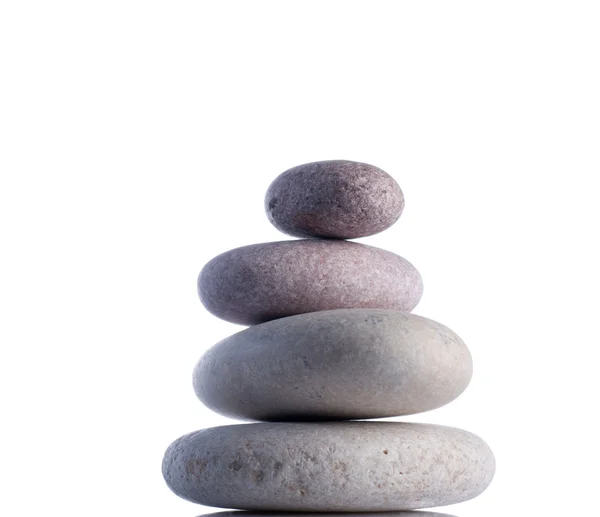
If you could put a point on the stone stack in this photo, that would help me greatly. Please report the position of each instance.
(332, 340)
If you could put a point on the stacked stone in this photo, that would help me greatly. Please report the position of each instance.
(332, 340)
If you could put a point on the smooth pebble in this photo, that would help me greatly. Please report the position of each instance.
(337, 199)
(333, 467)
(338, 364)
(262, 282)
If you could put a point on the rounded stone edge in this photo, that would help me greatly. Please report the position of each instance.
(251, 513)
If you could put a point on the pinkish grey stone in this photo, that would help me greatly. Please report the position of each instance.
(329, 467)
(334, 365)
(262, 282)
(337, 199)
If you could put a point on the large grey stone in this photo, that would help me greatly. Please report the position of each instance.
(339, 364)
(336, 199)
(262, 282)
(333, 467)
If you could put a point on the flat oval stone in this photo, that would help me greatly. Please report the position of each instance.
(333, 467)
(262, 282)
(334, 365)
(337, 199)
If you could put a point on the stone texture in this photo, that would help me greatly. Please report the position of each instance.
(262, 282)
(339, 364)
(238, 513)
(336, 199)
(334, 467)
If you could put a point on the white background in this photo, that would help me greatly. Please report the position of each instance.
(137, 139)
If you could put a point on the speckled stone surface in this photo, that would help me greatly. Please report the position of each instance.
(330, 365)
(262, 282)
(334, 466)
(241, 513)
(336, 199)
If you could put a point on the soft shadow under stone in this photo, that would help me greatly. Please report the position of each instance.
(325, 514)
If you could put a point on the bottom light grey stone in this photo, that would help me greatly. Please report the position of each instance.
(329, 467)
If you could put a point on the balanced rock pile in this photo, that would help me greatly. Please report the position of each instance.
(333, 340)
